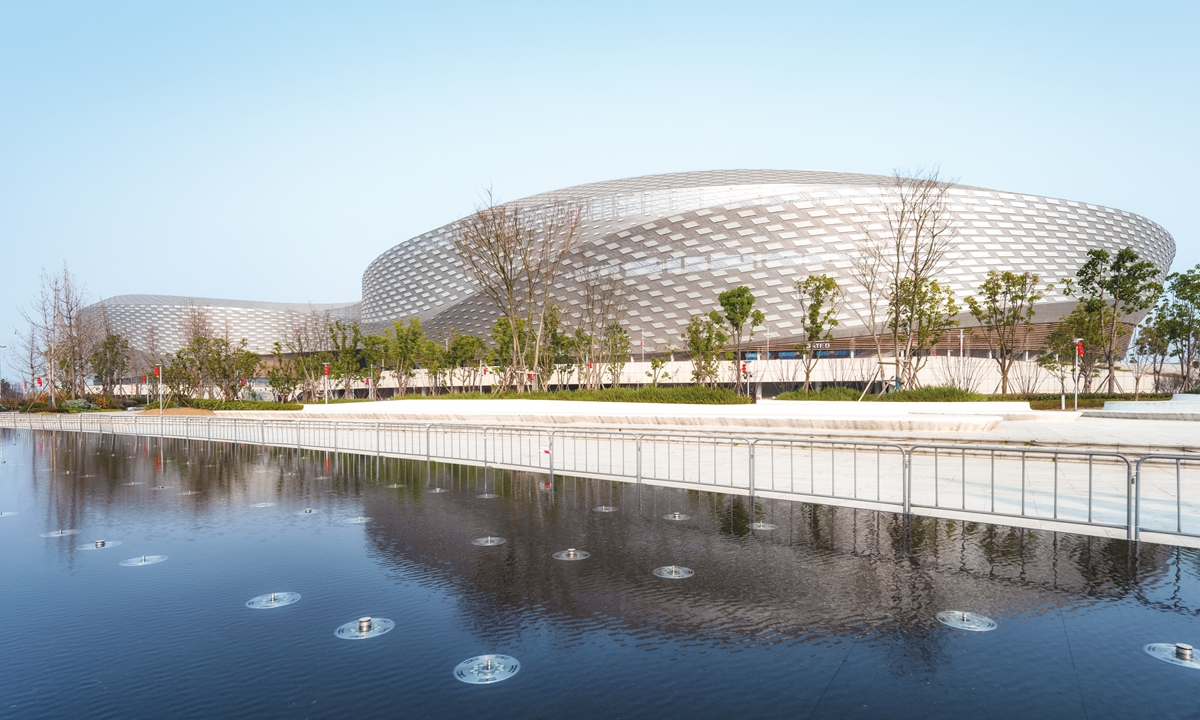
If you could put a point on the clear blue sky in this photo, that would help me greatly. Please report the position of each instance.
(271, 150)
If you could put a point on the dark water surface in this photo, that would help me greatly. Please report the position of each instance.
(831, 615)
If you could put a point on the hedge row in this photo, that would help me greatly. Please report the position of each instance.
(240, 405)
(686, 395)
(927, 394)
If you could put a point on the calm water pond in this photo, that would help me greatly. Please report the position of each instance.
(830, 615)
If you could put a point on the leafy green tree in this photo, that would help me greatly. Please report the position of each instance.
(818, 297)
(657, 367)
(347, 364)
(373, 353)
(1125, 284)
(929, 311)
(1178, 322)
(282, 377)
(1088, 325)
(110, 361)
(462, 357)
(738, 306)
(1153, 343)
(405, 351)
(1005, 309)
(616, 353)
(225, 365)
(433, 362)
(706, 338)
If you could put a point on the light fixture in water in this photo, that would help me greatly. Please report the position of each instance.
(262, 504)
(488, 541)
(308, 511)
(487, 496)
(674, 572)
(571, 554)
(486, 669)
(60, 533)
(604, 508)
(676, 516)
(143, 560)
(1174, 653)
(134, 483)
(190, 492)
(272, 600)
(100, 545)
(393, 486)
(437, 490)
(364, 627)
(762, 526)
(960, 620)
(360, 520)
(162, 487)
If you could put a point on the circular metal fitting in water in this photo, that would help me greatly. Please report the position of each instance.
(360, 520)
(487, 496)
(393, 486)
(190, 492)
(571, 554)
(60, 533)
(678, 516)
(271, 601)
(374, 627)
(263, 504)
(674, 572)
(1175, 653)
(437, 490)
(100, 545)
(605, 509)
(134, 483)
(308, 511)
(162, 487)
(486, 669)
(488, 541)
(762, 526)
(143, 560)
(960, 620)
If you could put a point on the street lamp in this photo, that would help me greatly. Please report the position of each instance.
(1075, 369)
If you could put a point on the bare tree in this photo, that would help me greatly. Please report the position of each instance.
(516, 254)
(65, 333)
(897, 263)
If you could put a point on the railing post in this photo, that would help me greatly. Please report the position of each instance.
(428, 449)
(297, 439)
(906, 479)
(639, 459)
(1133, 501)
(751, 460)
(335, 436)
(376, 439)
(551, 454)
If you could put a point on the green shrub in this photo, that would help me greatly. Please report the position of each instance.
(826, 393)
(337, 401)
(79, 404)
(241, 405)
(937, 393)
(1087, 401)
(684, 395)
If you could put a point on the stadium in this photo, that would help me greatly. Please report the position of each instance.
(676, 240)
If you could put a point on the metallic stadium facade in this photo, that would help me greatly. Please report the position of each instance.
(160, 322)
(675, 241)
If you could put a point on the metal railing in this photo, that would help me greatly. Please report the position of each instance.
(1051, 489)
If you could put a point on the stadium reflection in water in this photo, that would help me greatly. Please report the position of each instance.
(830, 614)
